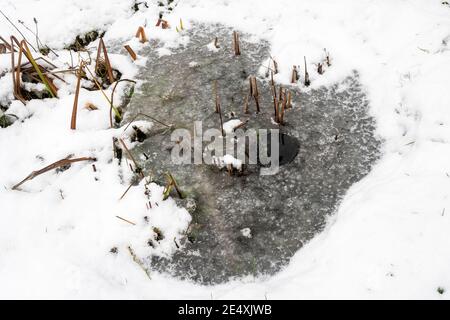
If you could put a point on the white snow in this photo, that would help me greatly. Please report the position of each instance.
(230, 125)
(246, 232)
(230, 160)
(389, 237)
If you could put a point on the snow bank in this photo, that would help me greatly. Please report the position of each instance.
(389, 238)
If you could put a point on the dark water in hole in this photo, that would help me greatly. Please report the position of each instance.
(288, 148)
(328, 145)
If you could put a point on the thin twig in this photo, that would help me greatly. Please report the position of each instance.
(123, 219)
(150, 117)
(138, 169)
(18, 30)
(138, 261)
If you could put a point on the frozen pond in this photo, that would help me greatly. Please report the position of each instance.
(250, 224)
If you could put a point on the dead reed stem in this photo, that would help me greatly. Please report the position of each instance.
(73, 121)
(236, 45)
(275, 102)
(128, 221)
(54, 165)
(123, 195)
(319, 68)
(16, 71)
(138, 170)
(294, 77)
(140, 34)
(307, 81)
(289, 100)
(130, 52)
(254, 92)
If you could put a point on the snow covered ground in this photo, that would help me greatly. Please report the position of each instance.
(390, 236)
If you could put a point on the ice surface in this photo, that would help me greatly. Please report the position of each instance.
(330, 125)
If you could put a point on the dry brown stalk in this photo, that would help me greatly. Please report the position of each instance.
(123, 195)
(275, 102)
(246, 104)
(128, 221)
(140, 34)
(73, 121)
(163, 23)
(236, 45)
(283, 108)
(319, 68)
(254, 92)
(138, 170)
(307, 81)
(289, 100)
(16, 70)
(294, 77)
(7, 45)
(327, 59)
(60, 163)
(216, 43)
(130, 52)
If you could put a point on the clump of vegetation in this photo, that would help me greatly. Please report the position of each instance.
(138, 5)
(82, 41)
(158, 234)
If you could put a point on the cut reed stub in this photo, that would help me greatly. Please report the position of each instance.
(307, 81)
(275, 102)
(319, 68)
(140, 34)
(253, 92)
(162, 23)
(130, 52)
(236, 44)
(294, 77)
(283, 106)
(216, 43)
(327, 58)
(289, 100)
